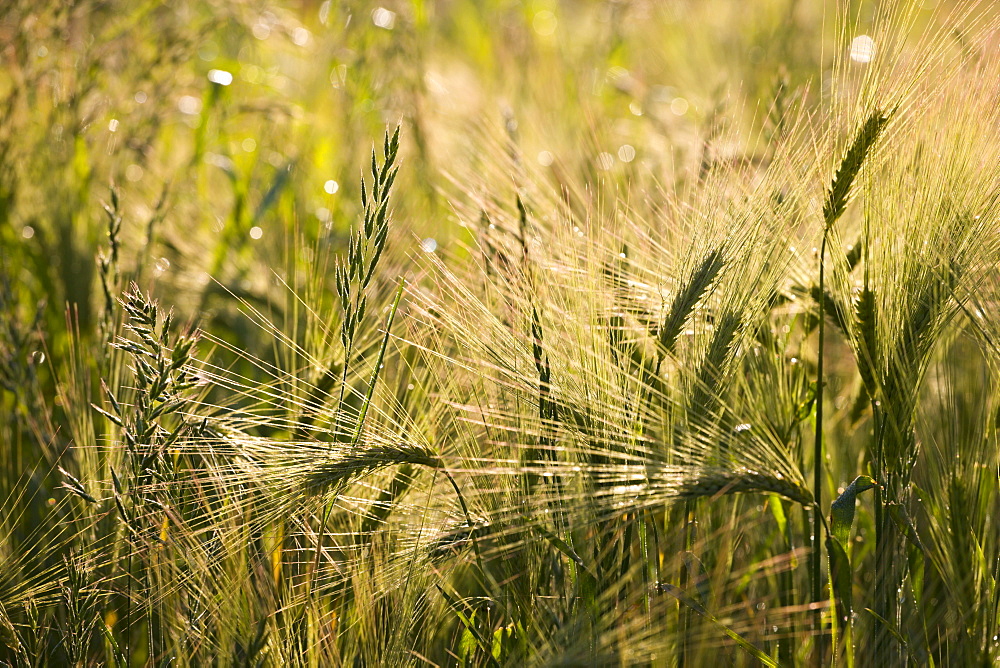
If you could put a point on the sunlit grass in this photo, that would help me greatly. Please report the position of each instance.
(673, 343)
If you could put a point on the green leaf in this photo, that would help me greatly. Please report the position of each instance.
(563, 547)
(113, 418)
(842, 510)
(841, 579)
(891, 628)
(501, 638)
(902, 520)
(117, 656)
(774, 502)
(470, 627)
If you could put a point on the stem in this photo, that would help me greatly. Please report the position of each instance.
(128, 607)
(378, 365)
(361, 420)
(815, 556)
(685, 576)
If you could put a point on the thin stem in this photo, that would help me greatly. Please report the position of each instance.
(685, 577)
(361, 419)
(815, 556)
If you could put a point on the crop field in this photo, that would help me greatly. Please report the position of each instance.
(500, 333)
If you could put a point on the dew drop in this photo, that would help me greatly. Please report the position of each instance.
(384, 18)
(221, 77)
(862, 49)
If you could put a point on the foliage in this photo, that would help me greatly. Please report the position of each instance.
(674, 342)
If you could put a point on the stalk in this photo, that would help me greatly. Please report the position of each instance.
(838, 196)
(815, 542)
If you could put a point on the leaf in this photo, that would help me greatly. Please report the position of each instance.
(841, 521)
(902, 520)
(840, 579)
(745, 644)
(563, 547)
(469, 624)
(889, 627)
(501, 637)
(281, 180)
(842, 510)
(113, 418)
(774, 502)
(117, 656)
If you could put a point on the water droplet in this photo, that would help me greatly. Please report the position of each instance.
(383, 18)
(261, 30)
(545, 23)
(331, 187)
(189, 104)
(221, 77)
(27, 231)
(38, 358)
(429, 245)
(162, 265)
(626, 153)
(862, 49)
(256, 232)
(209, 50)
(301, 36)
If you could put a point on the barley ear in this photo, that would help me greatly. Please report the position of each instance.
(867, 341)
(840, 188)
(743, 480)
(687, 298)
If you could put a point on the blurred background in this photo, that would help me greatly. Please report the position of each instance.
(225, 141)
(234, 135)
(212, 152)
(226, 127)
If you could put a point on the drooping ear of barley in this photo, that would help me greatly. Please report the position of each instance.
(343, 468)
(741, 480)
